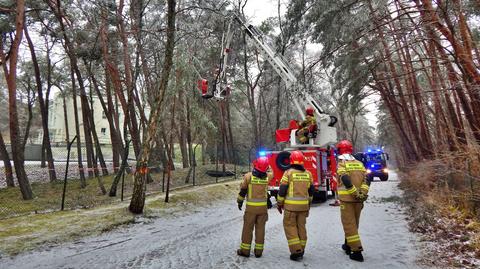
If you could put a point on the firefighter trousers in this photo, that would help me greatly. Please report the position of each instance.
(253, 221)
(294, 223)
(350, 215)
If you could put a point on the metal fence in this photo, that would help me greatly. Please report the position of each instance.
(67, 192)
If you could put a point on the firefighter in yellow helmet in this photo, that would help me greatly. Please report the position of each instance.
(307, 127)
(254, 189)
(295, 196)
(352, 192)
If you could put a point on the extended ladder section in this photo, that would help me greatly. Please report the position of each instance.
(301, 99)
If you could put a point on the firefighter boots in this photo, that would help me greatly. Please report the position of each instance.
(346, 248)
(296, 256)
(356, 256)
(242, 253)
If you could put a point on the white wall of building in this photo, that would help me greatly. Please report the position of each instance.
(56, 120)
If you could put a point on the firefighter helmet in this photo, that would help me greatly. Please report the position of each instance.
(296, 157)
(261, 164)
(309, 111)
(345, 147)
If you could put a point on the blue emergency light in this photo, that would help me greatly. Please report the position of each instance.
(262, 153)
(373, 150)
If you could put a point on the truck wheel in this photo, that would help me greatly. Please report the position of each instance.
(320, 196)
(384, 177)
(370, 178)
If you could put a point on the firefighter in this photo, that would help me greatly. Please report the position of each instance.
(254, 189)
(305, 127)
(352, 192)
(295, 196)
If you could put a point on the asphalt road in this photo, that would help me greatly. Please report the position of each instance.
(209, 237)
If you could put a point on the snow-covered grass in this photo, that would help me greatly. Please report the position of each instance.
(25, 233)
(48, 195)
(440, 195)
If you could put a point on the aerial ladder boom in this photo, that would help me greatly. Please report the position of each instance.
(300, 99)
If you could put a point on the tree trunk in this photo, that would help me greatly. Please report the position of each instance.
(138, 197)
(134, 132)
(463, 57)
(83, 182)
(180, 112)
(69, 49)
(43, 110)
(408, 116)
(11, 78)
(65, 118)
(4, 156)
(114, 76)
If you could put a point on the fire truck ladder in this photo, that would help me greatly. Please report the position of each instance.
(301, 99)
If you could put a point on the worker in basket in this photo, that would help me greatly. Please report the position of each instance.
(308, 127)
(254, 188)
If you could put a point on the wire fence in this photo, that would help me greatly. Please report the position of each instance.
(113, 184)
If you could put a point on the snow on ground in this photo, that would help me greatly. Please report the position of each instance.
(208, 238)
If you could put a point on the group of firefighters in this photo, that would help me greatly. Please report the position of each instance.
(294, 199)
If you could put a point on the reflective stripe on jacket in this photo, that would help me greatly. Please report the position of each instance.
(297, 197)
(256, 194)
(357, 172)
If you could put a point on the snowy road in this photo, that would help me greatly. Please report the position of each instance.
(208, 238)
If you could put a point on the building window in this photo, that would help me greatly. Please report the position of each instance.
(103, 131)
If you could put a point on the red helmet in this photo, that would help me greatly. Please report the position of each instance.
(261, 164)
(345, 147)
(296, 157)
(309, 111)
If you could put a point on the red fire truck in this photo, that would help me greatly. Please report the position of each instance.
(319, 152)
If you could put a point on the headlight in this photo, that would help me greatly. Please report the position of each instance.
(369, 171)
(385, 170)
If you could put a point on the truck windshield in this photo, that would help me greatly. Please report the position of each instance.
(377, 157)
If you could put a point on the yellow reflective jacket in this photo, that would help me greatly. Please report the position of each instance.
(307, 122)
(298, 186)
(255, 190)
(357, 172)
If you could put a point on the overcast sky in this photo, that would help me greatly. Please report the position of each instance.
(259, 10)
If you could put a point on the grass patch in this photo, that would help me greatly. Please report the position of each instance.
(26, 233)
(48, 196)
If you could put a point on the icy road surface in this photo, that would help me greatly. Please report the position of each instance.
(208, 238)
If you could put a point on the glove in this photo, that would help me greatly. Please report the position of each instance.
(280, 208)
(240, 204)
(361, 196)
(347, 182)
